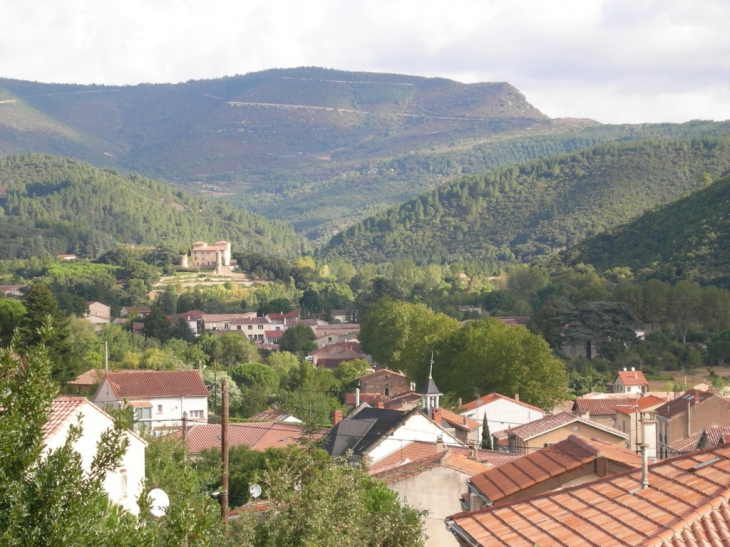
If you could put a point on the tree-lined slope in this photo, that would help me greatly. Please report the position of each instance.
(520, 213)
(58, 205)
(689, 237)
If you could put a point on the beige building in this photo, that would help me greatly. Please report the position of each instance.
(218, 254)
(434, 483)
(552, 429)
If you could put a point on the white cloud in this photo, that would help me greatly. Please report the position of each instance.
(611, 60)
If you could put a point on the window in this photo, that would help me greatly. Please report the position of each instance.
(261, 327)
(226, 326)
(250, 327)
(576, 428)
(142, 417)
(196, 414)
(123, 483)
(159, 409)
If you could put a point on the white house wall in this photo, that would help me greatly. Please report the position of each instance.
(166, 411)
(438, 491)
(131, 471)
(503, 414)
(417, 428)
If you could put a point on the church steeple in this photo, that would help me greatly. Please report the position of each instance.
(430, 394)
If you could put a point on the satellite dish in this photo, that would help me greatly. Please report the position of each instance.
(255, 491)
(159, 502)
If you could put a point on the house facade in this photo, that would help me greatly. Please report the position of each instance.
(125, 484)
(688, 414)
(433, 483)
(204, 255)
(630, 381)
(572, 461)
(553, 429)
(502, 412)
(160, 399)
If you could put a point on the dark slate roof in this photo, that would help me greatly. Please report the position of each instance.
(679, 405)
(430, 388)
(359, 432)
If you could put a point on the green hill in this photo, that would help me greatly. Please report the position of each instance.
(319, 149)
(516, 214)
(58, 205)
(687, 238)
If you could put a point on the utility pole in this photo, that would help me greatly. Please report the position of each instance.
(185, 435)
(224, 452)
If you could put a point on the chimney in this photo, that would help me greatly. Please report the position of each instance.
(440, 447)
(437, 415)
(357, 397)
(517, 396)
(337, 417)
(472, 451)
(460, 405)
(464, 420)
(380, 405)
(644, 468)
(413, 386)
(648, 433)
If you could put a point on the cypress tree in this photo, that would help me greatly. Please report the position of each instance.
(486, 435)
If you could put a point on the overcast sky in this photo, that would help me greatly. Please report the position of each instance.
(610, 60)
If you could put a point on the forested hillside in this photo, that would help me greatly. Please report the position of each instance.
(58, 205)
(519, 213)
(688, 238)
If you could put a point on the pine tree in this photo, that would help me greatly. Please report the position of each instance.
(486, 435)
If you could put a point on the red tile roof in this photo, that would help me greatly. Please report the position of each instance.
(548, 423)
(153, 383)
(486, 399)
(685, 504)
(601, 406)
(632, 378)
(61, 409)
(448, 458)
(454, 420)
(548, 463)
(255, 435)
(641, 404)
(88, 378)
(418, 450)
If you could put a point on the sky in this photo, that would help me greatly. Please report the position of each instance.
(614, 61)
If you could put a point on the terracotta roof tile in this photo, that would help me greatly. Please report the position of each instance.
(548, 423)
(449, 458)
(153, 383)
(548, 463)
(641, 404)
(418, 450)
(61, 409)
(601, 406)
(686, 503)
(455, 420)
(255, 435)
(632, 378)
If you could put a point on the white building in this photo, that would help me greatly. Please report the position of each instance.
(125, 484)
(159, 398)
(502, 412)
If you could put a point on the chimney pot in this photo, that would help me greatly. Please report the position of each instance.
(440, 447)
